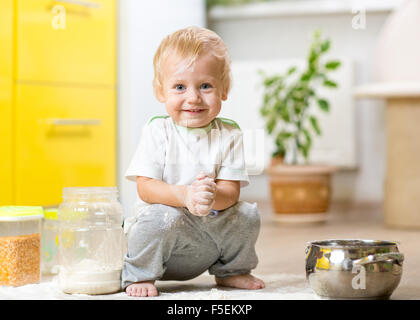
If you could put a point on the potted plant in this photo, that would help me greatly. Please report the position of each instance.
(300, 191)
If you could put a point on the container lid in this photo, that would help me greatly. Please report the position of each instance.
(89, 192)
(50, 214)
(18, 213)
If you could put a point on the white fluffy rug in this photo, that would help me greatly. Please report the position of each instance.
(278, 287)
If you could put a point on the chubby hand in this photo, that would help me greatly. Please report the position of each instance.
(201, 194)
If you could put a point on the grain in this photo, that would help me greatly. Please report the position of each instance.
(20, 260)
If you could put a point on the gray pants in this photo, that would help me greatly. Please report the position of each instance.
(168, 243)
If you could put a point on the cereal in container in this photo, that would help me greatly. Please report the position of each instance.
(20, 245)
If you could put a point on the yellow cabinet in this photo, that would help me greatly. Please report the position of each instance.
(64, 137)
(57, 98)
(6, 162)
(66, 41)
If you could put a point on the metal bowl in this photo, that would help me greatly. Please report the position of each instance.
(354, 268)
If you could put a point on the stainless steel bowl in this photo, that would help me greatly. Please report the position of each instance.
(354, 268)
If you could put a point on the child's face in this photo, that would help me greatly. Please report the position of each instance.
(193, 97)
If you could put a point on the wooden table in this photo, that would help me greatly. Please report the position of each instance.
(402, 180)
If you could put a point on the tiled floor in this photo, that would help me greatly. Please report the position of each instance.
(281, 248)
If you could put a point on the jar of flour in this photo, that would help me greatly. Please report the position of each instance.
(90, 251)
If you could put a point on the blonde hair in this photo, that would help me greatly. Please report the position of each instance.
(189, 43)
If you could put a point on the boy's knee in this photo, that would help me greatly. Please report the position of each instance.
(166, 217)
(156, 219)
(249, 211)
(249, 216)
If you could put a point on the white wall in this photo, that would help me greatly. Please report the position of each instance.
(142, 25)
(281, 36)
(333, 147)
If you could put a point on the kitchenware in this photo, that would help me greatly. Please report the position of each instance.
(49, 242)
(20, 245)
(91, 240)
(354, 268)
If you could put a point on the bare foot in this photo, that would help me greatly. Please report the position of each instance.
(142, 289)
(243, 281)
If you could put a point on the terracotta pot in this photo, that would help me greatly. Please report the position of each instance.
(276, 160)
(300, 193)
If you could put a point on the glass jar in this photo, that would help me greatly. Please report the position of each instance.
(90, 244)
(20, 245)
(49, 242)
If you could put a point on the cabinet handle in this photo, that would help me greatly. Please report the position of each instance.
(87, 4)
(75, 122)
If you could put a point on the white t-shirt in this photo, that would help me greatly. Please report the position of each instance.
(177, 154)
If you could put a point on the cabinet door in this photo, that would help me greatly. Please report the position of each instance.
(65, 137)
(67, 41)
(6, 14)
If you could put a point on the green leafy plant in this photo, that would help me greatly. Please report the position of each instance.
(290, 97)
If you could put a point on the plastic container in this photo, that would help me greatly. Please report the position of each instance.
(49, 242)
(90, 250)
(20, 245)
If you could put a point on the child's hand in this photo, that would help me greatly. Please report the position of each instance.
(200, 196)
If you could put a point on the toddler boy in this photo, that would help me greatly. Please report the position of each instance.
(189, 167)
